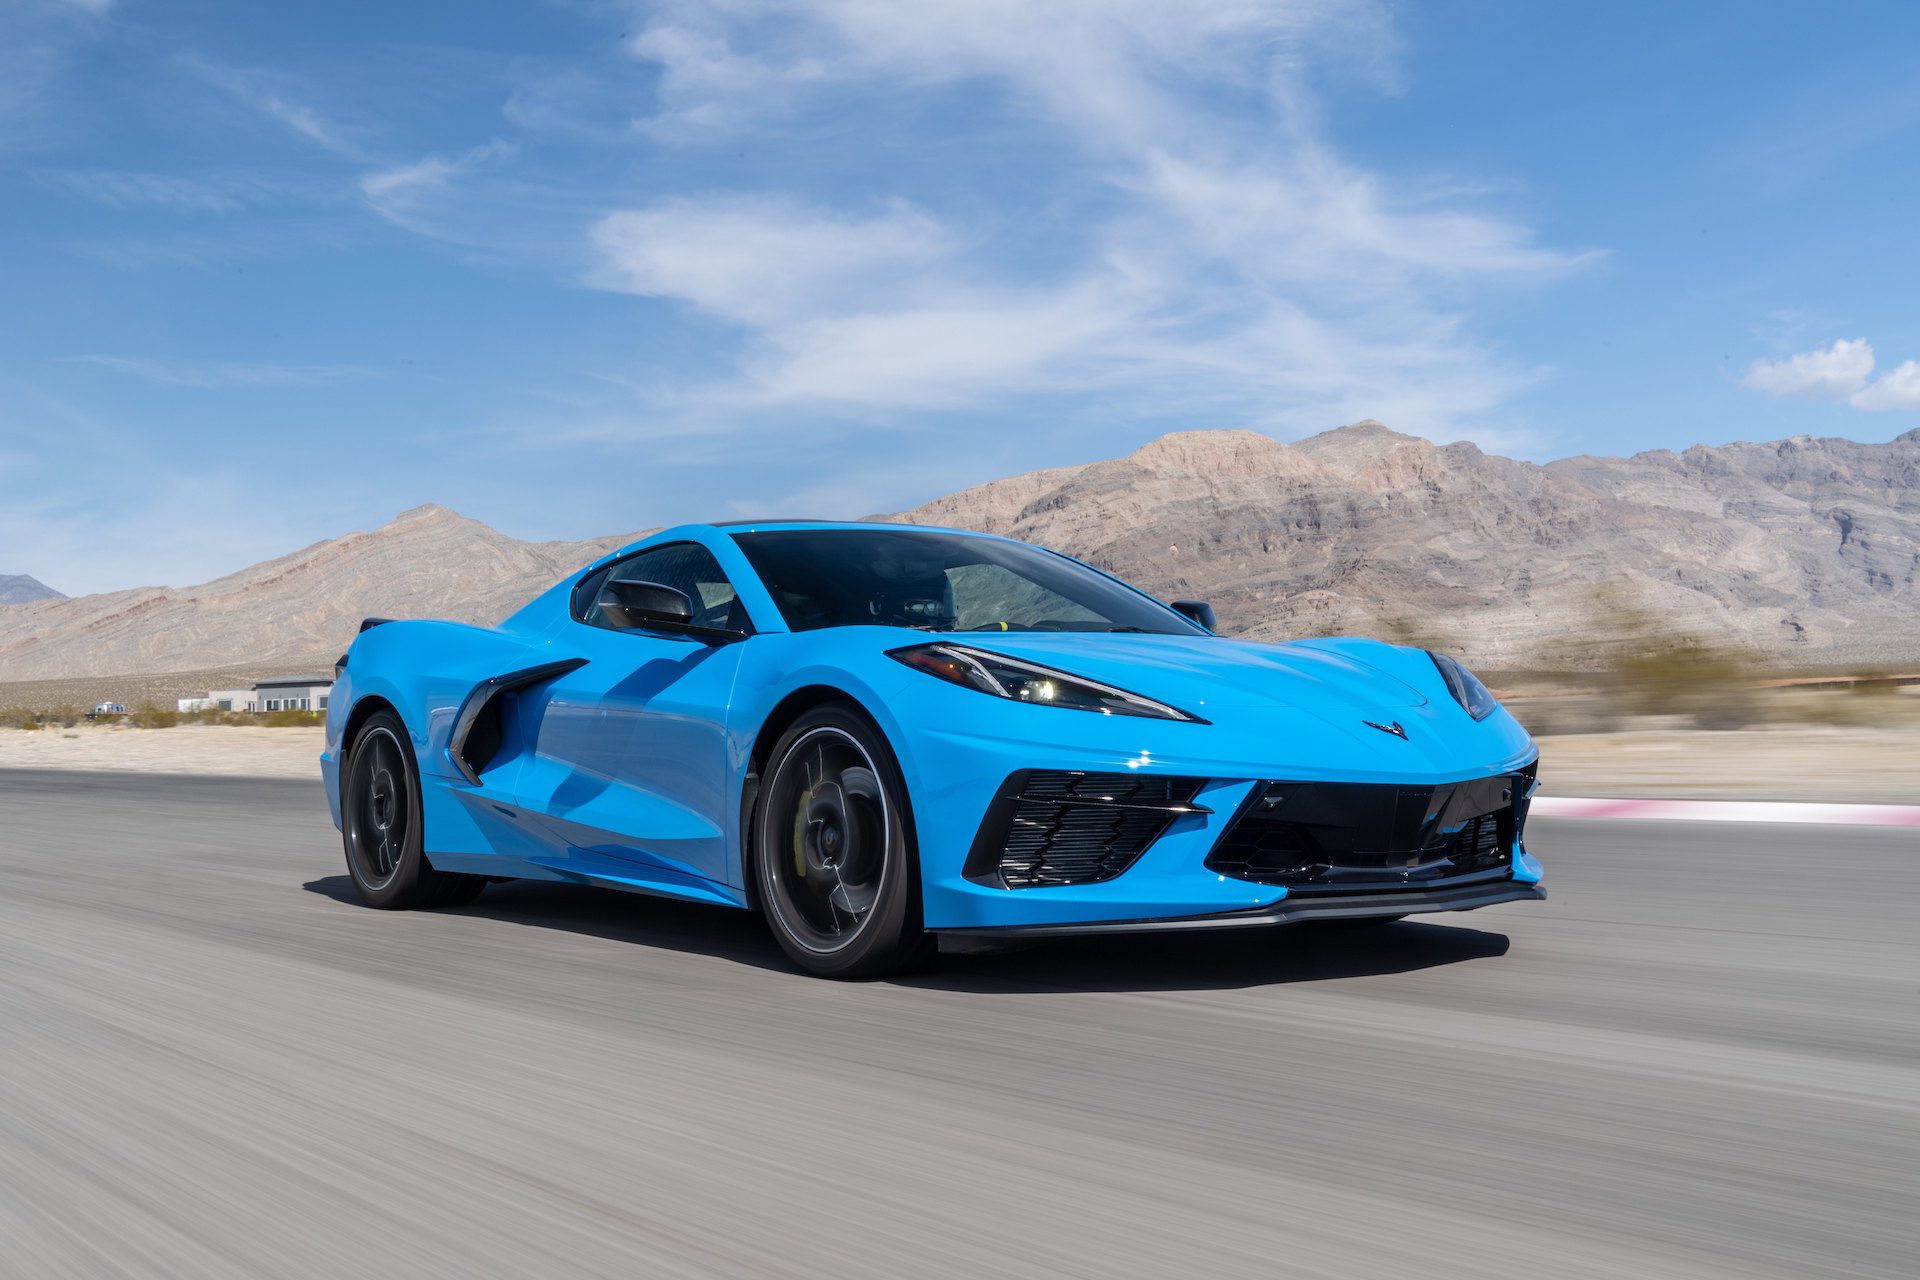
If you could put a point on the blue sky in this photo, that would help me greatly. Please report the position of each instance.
(269, 273)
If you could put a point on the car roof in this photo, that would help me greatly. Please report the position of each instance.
(727, 528)
(768, 526)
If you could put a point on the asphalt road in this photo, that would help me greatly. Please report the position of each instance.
(1700, 1058)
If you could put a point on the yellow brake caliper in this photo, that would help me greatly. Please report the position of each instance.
(800, 833)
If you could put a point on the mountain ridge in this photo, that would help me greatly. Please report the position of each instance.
(19, 588)
(1804, 551)
(428, 561)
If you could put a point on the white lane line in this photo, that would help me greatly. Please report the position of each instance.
(1845, 815)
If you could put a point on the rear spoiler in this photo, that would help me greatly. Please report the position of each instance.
(366, 625)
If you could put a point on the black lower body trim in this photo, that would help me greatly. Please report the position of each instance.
(1289, 910)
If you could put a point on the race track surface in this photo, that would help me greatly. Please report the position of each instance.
(1700, 1058)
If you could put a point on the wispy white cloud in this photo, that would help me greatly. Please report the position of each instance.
(269, 94)
(183, 193)
(216, 374)
(1843, 371)
(1121, 71)
(1225, 257)
(764, 260)
(413, 195)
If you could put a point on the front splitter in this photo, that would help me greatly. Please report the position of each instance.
(1289, 910)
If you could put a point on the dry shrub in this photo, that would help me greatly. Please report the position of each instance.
(19, 718)
(1644, 665)
(1715, 688)
(151, 716)
(214, 715)
(287, 719)
(1550, 716)
(1866, 703)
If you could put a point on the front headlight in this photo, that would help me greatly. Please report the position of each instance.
(1021, 681)
(1465, 687)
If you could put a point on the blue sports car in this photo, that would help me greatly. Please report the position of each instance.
(873, 734)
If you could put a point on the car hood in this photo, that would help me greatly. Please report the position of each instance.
(1200, 674)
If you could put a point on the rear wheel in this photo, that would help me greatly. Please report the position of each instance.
(383, 828)
(834, 852)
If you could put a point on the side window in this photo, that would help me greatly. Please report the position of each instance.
(684, 566)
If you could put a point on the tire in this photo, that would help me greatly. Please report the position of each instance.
(382, 826)
(834, 855)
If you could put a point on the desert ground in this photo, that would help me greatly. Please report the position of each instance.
(1860, 764)
(233, 751)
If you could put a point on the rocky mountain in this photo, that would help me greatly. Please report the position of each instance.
(1804, 551)
(18, 588)
(429, 562)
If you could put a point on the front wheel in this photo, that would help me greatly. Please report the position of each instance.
(383, 828)
(834, 852)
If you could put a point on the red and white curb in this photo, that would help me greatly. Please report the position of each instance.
(1825, 815)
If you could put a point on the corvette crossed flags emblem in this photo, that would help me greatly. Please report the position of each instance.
(1393, 728)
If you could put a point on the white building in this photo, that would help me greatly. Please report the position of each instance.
(219, 700)
(290, 693)
(275, 693)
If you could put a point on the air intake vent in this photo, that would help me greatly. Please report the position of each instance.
(1054, 827)
(1346, 836)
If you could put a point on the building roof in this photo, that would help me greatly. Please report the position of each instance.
(291, 682)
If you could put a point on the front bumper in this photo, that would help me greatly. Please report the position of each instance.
(957, 774)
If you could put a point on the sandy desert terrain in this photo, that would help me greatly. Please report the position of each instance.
(1797, 762)
(233, 751)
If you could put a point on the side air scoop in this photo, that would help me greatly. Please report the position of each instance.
(476, 730)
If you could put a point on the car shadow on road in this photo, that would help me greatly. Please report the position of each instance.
(637, 918)
(1195, 961)
(1226, 960)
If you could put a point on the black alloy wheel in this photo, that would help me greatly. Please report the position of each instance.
(834, 851)
(383, 827)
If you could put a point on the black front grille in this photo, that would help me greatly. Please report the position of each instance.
(1054, 827)
(1108, 788)
(1343, 836)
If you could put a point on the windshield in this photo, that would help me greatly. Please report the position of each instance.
(941, 582)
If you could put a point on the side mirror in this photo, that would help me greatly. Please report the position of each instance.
(1196, 611)
(649, 606)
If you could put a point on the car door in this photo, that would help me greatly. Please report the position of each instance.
(628, 760)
